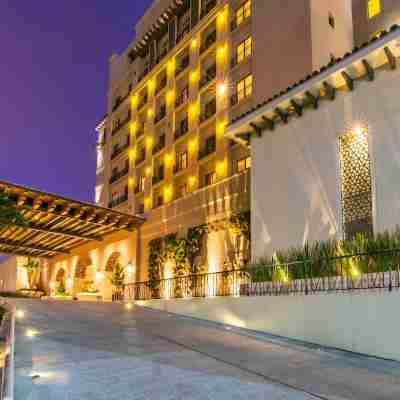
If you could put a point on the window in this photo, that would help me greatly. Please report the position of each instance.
(182, 160)
(141, 183)
(243, 12)
(244, 50)
(243, 164)
(210, 178)
(374, 8)
(244, 88)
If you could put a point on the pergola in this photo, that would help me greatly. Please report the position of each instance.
(55, 225)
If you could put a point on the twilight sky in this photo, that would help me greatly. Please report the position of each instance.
(53, 82)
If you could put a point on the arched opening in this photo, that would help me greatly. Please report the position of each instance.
(61, 277)
(115, 274)
(85, 279)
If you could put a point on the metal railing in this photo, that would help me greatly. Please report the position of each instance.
(380, 270)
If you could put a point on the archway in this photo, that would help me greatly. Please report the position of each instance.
(113, 262)
(84, 278)
(60, 280)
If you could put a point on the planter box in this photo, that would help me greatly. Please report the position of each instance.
(89, 297)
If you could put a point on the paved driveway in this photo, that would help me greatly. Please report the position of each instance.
(71, 351)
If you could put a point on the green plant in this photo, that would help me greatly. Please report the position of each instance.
(240, 224)
(32, 267)
(118, 276)
(61, 291)
(9, 215)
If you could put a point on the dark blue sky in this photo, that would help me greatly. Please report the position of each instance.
(53, 82)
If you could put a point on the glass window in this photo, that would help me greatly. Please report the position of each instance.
(243, 164)
(210, 178)
(243, 12)
(244, 50)
(374, 8)
(244, 88)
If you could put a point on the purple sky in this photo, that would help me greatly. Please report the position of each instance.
(53, 82)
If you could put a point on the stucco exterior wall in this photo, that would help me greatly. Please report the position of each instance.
(295, 174)
(8, 275)
(359, 322)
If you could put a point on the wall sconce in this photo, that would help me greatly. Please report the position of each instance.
(193, 44)
(149, 142)
(148, 171)
(99, 275)
(221, 89)
(134, 101)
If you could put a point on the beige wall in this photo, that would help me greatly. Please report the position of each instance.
(295, 183)
(8, 275)
(358, 322)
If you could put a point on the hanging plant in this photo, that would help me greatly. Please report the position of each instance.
(240, 224)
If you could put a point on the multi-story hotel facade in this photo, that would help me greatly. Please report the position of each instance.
(193, 67)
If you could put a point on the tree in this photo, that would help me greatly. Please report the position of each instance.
(118, 276)
(8, 213)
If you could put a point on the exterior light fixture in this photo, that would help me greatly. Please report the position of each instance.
(192, 181)
(132, 154)
(130, 182)
(128, 306)
(148, 171)
(31, 333)
(147, 203)
(20, 314)
(52, 285)
(133, 128)
(99, 275)
(221, 52)
(194, 76)
(168, 159)
(149, 142)
(221, 89)
(150, 112)
(134, 100)
(130, 269)
(193, 44)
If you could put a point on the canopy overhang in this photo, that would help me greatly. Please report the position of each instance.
(55, 225)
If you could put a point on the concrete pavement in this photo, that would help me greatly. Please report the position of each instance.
(70, 351)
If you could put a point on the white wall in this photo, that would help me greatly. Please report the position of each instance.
(325, 39)
(295, 182)
(360, 322)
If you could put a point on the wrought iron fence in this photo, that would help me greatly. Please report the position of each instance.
(380, 270)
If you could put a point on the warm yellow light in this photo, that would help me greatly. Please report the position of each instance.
(131, 182)
(134, 100)
(52, 285)
(221, 128)
(221, 52)
(32, 333)
(222, 168)
(150, 112)
(171, 68)
(359, 130)
(169, 98)
(148, 171)
(99, 275)
(149, 142)
(168, 191)
(194, 76)
(151, 86)
(147, 203)
(193, 44)
(128, 306)
(192, 181)
(20, 314)
(168, 159)
(221, 89)
(69, 282)
(133, 128)
(132, 154)
(193, 110)
(221, 19)
(192, 145)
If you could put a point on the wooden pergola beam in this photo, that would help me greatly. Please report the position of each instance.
(18, 245)
(25, 253)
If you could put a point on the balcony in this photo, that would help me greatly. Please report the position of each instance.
(120, 124)
(143, 101)
(161, 85)
(161, 114)
(208, 149)
(160, 145)
(183, 64)
(139, 189)
(209, 76)
(159, 176)
(116, 176)
(209, 111)
(141, 157)
(208, 42)
(207, 7)
(163, 52)
(182, 32)
(183, 97)
(182, 129)
(120, 149)
(118, 201)
(179, 168)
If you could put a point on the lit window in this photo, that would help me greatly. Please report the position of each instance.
(244, 50)
(141, 183)
(374, 8)
(244, 88)
(182, 160)
(243, 164)
(209, 179)
(243, 12)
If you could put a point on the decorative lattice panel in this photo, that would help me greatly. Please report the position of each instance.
(356, 186)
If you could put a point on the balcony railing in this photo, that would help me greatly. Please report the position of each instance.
(207, 7)
(179, 168)
(208, 42)
(209, 111)
(121, 124)
(183, 64)
(161, 85)
(161, 114)
(162, 54)
(143, 101)
(182, 129)
(159, 177)
(120, 149)
(118, 201)
(208, 149)
(183, 97)
(159, 145)
(375, 271)
(140, 158)
(118, 175)
(209, 76)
